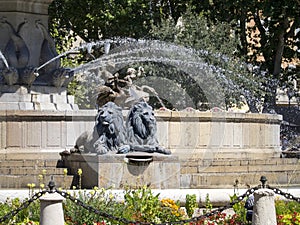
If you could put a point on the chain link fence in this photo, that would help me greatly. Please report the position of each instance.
(103, 214)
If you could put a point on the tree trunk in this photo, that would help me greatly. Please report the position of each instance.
(270, 99)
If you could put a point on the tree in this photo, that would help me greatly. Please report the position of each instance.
(267, 32)
(217, 45)
(269, 36)
(93, 20)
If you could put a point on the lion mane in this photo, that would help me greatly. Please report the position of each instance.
(108, 134)
(141, 129)
(141, 125)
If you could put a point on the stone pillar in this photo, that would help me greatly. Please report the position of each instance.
(25, 24)
(25, 45)
(264, 208)
(51, 209)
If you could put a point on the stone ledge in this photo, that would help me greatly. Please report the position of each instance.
(227, 117)
(113, 157)
(36, 6)
(163, 116)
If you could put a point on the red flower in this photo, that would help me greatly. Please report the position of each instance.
(280, 217)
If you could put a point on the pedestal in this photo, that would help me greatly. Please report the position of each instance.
(19, 97)
(131, 170)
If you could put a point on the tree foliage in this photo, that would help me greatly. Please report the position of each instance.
(93, 20)
(269, 35)
(217, 45)
(265, 34)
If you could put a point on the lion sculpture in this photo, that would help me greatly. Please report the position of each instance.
(108, 135)
(141, 130)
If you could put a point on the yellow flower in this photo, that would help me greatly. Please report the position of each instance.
(166, 202)
(79, 172)
(44, 172)
(65, 171)
(95, 188)
(42, 186)
(111, 196)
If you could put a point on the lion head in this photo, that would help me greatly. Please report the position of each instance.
(141, 125)
(141, 129)
(108, 133)
(110, 128)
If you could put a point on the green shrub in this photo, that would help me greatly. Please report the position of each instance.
(190, 204)
(96, 198)
(239, 209)
(288, 213)
(31, 213)
(141, 205)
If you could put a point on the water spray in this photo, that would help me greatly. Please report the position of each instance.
(88, 46)
(4, 60)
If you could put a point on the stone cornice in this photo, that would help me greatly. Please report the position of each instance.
(26, 6)
(89, 115)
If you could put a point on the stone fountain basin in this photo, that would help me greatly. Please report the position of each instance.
(139, 158)
(194, 138)
(186, 134)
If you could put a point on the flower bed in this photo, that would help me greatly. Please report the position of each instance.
(141, 205)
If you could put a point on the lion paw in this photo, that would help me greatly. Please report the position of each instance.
(124, 149)
(100, 149)
(162, 150)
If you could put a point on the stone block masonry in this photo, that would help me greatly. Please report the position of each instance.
(203, 135)
(213, 149)
(118, 171)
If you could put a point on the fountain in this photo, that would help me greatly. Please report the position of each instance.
(206, 136)
(208, 148)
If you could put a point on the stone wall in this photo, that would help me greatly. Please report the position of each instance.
(214, 150)
(222, 135)
(186, 134)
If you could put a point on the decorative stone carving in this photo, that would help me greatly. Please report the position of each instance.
(28, 49)
(31, 76)
(142, 129)
(109, 133)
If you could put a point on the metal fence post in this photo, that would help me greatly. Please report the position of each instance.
(264, 208)
(51, 208)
